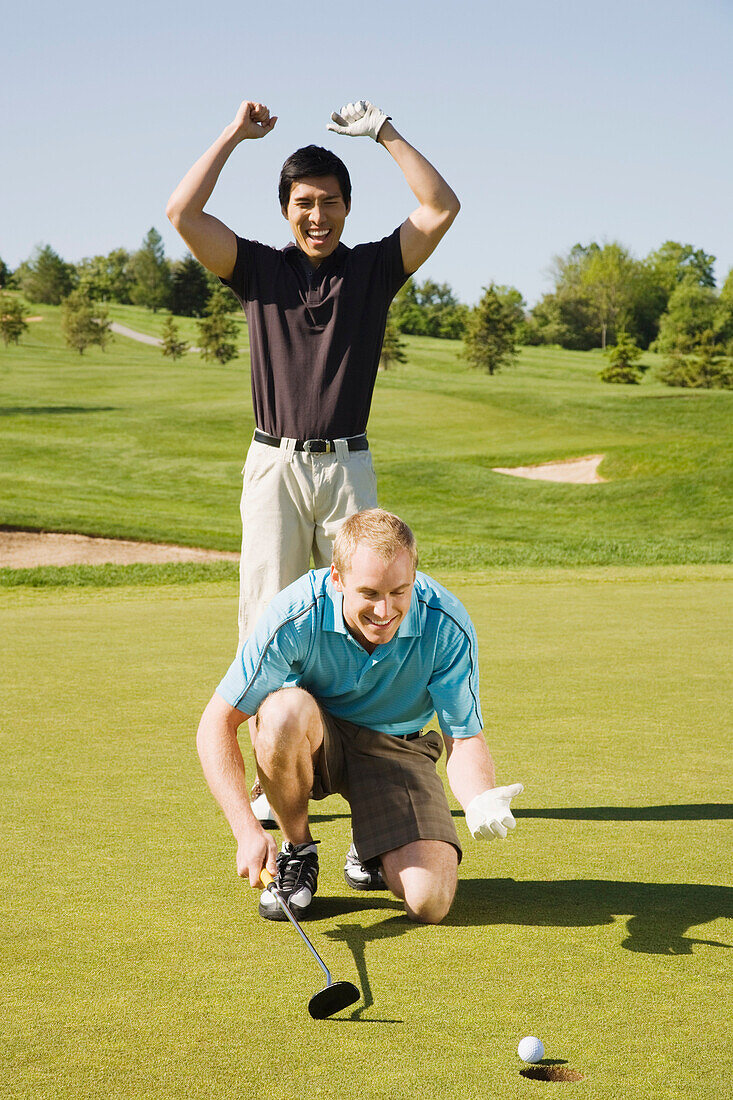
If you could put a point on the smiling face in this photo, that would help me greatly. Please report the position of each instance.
(377, 595)
(316, 211)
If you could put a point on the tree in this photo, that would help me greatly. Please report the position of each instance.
(189, 288)
(393, 348)
(5, 275)
(599, 290)
(106, 278)
(516, 306)
(429, 309)
(491, 332)
(84, 322)
(172, 347)
(691, 312)
(723, 326)
(218, 330)
(229, 299)
(46, 277)
(563, 318)
(674, 263)
(606, 277)
(623, 361)
(150, 273)
(705, 367)
(12, 319)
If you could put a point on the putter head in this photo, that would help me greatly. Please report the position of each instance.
(332, 999)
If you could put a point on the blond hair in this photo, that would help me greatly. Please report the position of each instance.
(383, 532)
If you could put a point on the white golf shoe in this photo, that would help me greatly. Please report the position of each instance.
(261, 808)
(362, 875)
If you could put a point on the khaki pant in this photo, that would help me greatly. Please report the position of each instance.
(293, 503)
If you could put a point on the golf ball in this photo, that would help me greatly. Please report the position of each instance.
(531, 1049)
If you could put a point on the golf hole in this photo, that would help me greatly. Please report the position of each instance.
(552, 1073)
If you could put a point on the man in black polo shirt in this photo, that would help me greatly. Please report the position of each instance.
(316, 312)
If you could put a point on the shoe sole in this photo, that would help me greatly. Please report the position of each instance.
(277, 914)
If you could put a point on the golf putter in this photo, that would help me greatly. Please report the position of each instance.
(336, 995)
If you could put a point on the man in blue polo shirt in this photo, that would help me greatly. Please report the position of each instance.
(342, 672)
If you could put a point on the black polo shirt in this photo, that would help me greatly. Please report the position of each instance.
(315, 334)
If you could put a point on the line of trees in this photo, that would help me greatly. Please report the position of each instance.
(143, 278)
(603, 297)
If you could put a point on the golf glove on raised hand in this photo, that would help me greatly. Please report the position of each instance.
(360, 119)
(488, 815)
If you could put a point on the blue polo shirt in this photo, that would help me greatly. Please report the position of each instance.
(429, 666)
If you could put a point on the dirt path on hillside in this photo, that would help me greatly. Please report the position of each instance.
(131, 334)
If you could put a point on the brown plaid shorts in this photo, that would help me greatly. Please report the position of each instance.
(391, 784)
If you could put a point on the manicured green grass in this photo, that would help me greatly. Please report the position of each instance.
(135, 965)
(144, 320)
(126, 443)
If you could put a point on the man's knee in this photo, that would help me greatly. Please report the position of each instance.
(425, 876)
(284, 718)
(429, 904)
(285, 710)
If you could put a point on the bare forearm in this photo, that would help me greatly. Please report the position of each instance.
(470, 767)
(194, 190)
(425, 182)
(212, 242)
(223, 766)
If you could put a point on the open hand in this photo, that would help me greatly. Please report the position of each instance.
(488, 815)
(360, 119)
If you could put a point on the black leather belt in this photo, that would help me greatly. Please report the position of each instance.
(409, 736)
(315, 446)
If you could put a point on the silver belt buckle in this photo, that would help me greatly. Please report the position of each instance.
(316, 446)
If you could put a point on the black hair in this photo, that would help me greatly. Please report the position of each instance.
(312, 160)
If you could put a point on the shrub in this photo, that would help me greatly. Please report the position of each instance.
(706, 367)
(623, 362)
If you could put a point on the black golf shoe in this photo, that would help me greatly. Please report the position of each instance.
(297, 881)
(363, 875)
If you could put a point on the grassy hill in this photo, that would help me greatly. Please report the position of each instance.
(126, 443)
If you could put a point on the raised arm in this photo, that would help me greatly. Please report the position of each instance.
(221, 759)
(212, 242)
(421, 233)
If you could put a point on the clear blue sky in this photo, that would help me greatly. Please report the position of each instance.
(554, 122)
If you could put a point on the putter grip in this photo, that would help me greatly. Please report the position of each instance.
(265, 877)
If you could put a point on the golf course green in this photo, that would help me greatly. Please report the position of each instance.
(135, 965)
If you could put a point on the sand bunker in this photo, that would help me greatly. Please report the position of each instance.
(577, 471)
(26, 549)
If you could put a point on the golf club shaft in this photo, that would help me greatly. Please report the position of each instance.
(268, 881)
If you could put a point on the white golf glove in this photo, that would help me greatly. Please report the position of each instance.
(488, 815)
(360, 119)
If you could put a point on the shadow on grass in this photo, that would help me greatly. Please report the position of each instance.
(356, 938)
(318, 818)
(661, 913)
(50, 410)
(693, 811)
